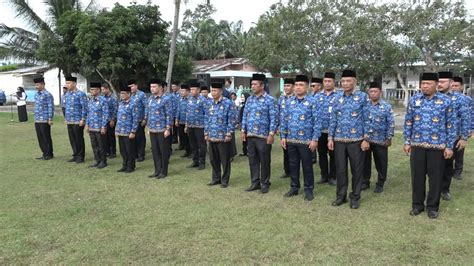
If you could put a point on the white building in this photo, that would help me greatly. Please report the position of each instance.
(11, 80)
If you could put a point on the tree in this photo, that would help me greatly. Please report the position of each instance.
(174, 38)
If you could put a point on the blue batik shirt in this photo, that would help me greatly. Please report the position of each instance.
(326, 102)
(160, 113)
(97, 113)
(183, 107)
(76, 106)
(221, 119)
(430, 123)
(348, 117)
(44, 106)
(462, 112)
(112, 102)
(127, 118)
(380, 122)
(260, 117)
(301, 124)
(140, 101)
(196, 111)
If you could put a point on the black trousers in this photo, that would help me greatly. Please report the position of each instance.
(426, 162)
(286, 162)
(174, 133)
(198, 145)
(128, 151)
(448, 171)
(380, 154)
(110, 145)
(244, 147)
(344, 152)
(98, 146)
(43, 133)
(183, 139)
(76, 138)
(22, 114)
(259, 153)
(233, 147)
(140, 140)
(458, 161)
(327, 166)
(64, 111)
(161, 153)
(219, 154)
(300, 153)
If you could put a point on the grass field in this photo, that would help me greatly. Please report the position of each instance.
(58, 212)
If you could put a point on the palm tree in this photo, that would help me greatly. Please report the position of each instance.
(22, 44)
(174, 38)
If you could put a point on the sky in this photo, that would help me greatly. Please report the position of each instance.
(231, 10)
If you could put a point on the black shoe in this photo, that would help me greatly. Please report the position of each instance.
(101, 165)
(291, 193)
(112, 156)
(224, 185)
(47, 158)
(355, 204)
(243, 154)
(378, 189)
(308, 196)
(94, 165)
(284, 176)
(201, 167)
(365, 186)
(129, 170)
(339, 202)
(433, 214)
(193, 165)
(179, 149)
(415, 212)
(446, 196)
(185, 155)
(265, 190)
(213, 183)
(160, 176)
(141, 159)
(73, 160)
(123, 169)
(153, 175)
(315, 161)
(332, 181)
(322, 181)
(40, 158)
(80, 160)
(253, 187)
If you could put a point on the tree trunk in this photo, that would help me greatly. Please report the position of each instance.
(60, 87)
(169, 72)
(406, 97)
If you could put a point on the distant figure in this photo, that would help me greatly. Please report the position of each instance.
(21, 104)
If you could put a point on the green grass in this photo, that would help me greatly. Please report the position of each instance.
(58, 212)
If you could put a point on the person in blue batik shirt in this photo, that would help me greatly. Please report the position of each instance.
(288, 87)
(300, 131)
(457, 86)
(180, 120)
(316, 86)
(381, 126)
(176, 96)
(110, 144)
(126, 129)
(76, 114)
(195, 120)
(347, 136)
(429, 132)
(140, 101)
(96, 125)
(461, 110)
(63, 101)
(160, 123)
(325, 100)
(219, 124)
(259, 125)
(44, 112)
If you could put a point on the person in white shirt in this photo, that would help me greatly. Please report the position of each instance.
(21, 104)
